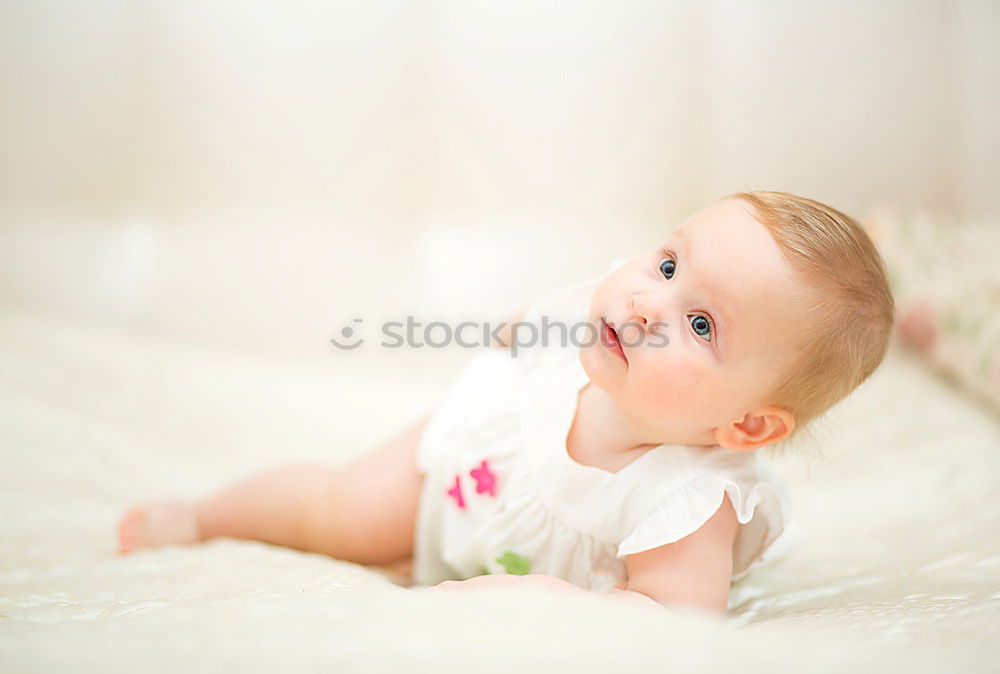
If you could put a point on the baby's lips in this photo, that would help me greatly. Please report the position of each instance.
(607, 336)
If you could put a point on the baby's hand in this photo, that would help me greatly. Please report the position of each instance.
(506, 579)
(548, 582)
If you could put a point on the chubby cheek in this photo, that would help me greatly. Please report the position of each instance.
(675, 381)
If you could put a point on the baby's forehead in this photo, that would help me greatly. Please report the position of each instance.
(724, 215)
(685, 236)
(735, 243)
(722, 223)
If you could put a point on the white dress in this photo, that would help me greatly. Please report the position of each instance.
(501, 495)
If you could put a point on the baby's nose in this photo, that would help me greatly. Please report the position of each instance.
(639, 313)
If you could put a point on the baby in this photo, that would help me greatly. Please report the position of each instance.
(605, 465)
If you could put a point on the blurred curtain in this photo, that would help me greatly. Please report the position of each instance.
(642, 109)
(412, 123)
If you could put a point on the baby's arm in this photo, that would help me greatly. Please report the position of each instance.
(695, 571)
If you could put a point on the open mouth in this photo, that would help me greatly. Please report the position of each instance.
(609, 338)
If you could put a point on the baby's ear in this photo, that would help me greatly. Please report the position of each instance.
(763, 426)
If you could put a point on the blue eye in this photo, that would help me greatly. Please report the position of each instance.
(667, 268)
(701, 326)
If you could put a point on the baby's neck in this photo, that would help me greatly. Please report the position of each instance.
(600, 430)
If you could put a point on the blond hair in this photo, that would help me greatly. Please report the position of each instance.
(848, 316)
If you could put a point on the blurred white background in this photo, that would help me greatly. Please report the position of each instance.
(253, 175)
(195, 196)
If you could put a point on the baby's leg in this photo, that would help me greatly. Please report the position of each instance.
(362, 511)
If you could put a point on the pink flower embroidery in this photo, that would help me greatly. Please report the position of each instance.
(456, 493)
(486, 480)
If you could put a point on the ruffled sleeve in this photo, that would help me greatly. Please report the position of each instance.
(761, 508)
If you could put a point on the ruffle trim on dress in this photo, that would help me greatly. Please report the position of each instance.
(685, 509)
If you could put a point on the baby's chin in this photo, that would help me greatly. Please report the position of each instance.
(598, 372)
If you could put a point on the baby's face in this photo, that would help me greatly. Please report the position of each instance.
(722, 299)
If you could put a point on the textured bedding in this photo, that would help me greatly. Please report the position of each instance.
(893, 562)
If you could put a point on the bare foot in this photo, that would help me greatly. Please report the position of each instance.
(152, 525)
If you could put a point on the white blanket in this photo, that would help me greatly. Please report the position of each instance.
(894, 561)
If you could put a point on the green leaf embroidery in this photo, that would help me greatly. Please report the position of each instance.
(514, 563)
